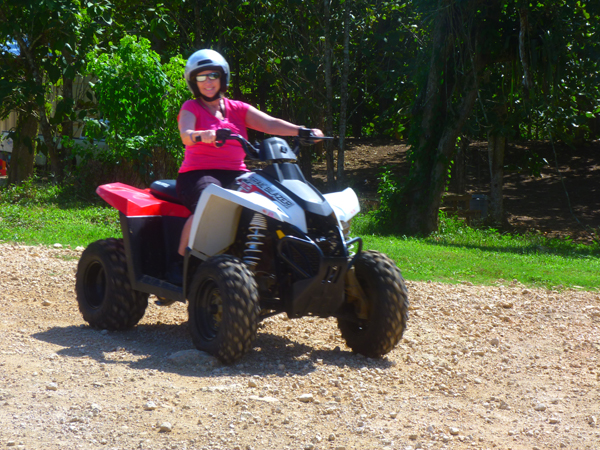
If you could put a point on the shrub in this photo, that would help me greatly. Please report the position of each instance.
(138, 99)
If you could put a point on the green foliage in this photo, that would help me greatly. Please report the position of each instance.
(512, 69)
(138, 102)
(52, 38)
(391, 206)
(536, 70)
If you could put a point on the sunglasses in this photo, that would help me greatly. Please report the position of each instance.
(212, 76)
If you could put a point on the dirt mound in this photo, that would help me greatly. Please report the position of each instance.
(563, 201)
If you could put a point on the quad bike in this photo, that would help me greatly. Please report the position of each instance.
(273, 245)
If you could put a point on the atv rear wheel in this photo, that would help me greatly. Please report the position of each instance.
(104, 294)
(381, 311)
(223, 308)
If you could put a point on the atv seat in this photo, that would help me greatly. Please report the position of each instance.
(165, 190)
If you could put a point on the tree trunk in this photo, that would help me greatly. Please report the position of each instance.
(329, 95)
(23, 152)
(344, 95)
(447, 98)
(524, 50)
(198, 32)
(458, 169)
(423, 219)
(57, 159)
(356, 116)
(67, 125)
(496, 150)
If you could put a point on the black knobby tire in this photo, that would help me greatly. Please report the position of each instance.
(387, 295)
(223, 308)
(104, 294)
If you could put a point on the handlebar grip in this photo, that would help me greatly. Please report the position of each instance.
(222, 135)
(307, 137)
(305, 133)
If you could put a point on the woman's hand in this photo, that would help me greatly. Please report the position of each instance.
(204, 136)
(317, 133)
(189, 134)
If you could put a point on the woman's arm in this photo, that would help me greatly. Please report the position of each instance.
(188, 132)
(258, 120)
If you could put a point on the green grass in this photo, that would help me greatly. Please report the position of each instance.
(460, 254)
(52, 224)
(45, 214)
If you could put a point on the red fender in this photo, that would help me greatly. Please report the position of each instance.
(134, 202)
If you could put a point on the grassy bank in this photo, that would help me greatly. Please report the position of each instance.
(42, 214)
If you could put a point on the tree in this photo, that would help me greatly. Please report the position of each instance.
(15, 82)
(548, 82)
(23, 151)
(344, 93)
(449, 92)
(512, 60)
(53, 36)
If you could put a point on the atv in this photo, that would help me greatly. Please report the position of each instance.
(271, 244)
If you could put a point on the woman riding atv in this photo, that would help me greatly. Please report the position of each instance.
(207, 75)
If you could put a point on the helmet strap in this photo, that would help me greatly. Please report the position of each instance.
(210, 99)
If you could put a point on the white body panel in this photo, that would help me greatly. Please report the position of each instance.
(345, 204)
(217, 215)
(254, 183)
(218, 212)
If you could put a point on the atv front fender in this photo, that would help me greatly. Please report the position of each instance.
(345, 204)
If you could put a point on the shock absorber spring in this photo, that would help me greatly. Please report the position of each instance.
(253, 251)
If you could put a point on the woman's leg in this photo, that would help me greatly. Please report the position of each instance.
(185, 235)
(189, 188)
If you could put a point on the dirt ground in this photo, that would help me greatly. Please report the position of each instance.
(501, 367)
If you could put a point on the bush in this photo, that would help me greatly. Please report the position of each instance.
(138, 101)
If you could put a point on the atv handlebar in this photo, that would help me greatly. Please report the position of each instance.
(305, 137)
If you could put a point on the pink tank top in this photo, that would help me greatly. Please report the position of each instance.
(201, 156)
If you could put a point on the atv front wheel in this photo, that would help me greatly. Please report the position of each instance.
(104, 294)
(380, 306)
(223, 308)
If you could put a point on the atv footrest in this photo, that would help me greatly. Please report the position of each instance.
(160, 288)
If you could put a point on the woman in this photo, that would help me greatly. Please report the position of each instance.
(207, 75)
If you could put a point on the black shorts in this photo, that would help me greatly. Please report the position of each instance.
(191, 184)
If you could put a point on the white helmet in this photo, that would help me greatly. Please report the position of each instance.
(206, 59)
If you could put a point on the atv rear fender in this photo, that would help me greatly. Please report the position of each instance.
(151, 228)
(134, 202)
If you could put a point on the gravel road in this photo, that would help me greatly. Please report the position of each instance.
(502, 367)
